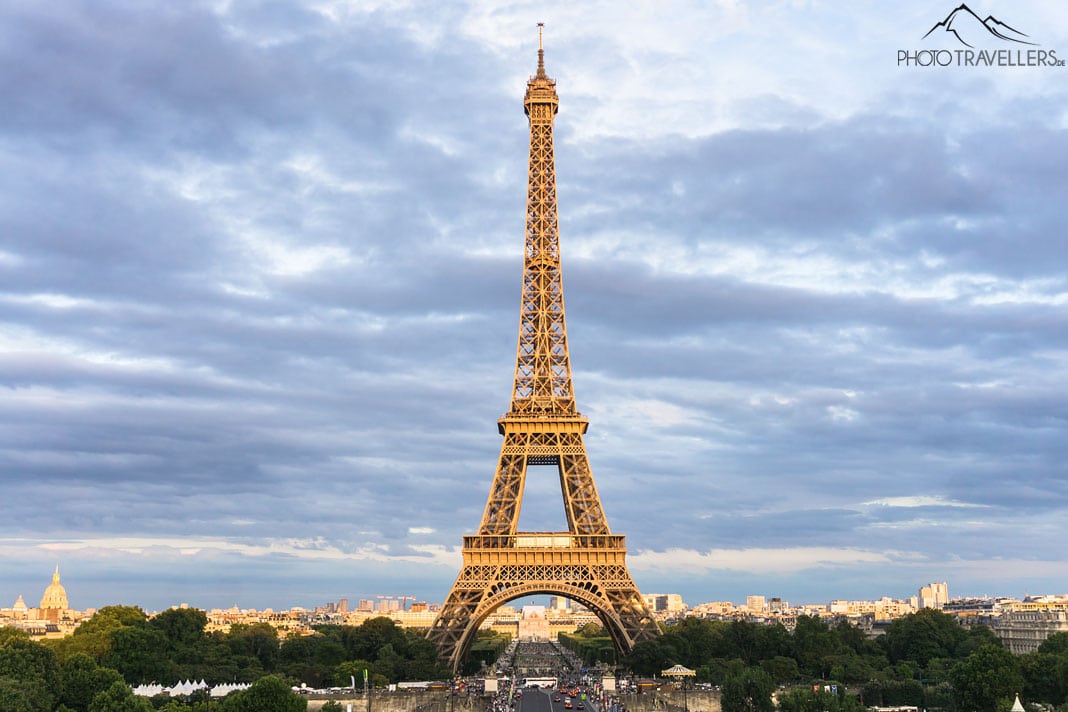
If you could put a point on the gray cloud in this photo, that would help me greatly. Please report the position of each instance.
(259, 273)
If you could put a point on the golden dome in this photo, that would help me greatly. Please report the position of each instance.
(55, 596)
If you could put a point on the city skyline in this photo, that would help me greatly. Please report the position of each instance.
(391, 602)
(260, 283)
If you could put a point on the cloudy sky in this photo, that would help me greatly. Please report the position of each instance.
(259, 290)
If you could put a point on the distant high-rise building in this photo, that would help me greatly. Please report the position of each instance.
(675, 603)
(933, 595)
(755, 604)
(343, 606)
(664, 602)
(365, 605)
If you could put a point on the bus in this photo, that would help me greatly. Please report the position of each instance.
(540, 682)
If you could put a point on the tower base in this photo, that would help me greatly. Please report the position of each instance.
(588, 569)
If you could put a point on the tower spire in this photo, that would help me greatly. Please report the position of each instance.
(543, 366)
(541, 52)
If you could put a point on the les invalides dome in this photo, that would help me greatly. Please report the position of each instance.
(55, 596)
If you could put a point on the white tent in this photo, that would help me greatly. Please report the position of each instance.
(147, 690)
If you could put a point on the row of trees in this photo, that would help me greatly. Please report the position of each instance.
(174, 646)
(925, 659)
(120, 646)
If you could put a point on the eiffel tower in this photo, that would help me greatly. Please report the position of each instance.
(587, 563)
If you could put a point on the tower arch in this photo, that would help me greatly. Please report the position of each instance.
(587, 595)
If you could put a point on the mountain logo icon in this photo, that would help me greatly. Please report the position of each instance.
(969, 30)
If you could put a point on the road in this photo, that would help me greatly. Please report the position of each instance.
(536, 700)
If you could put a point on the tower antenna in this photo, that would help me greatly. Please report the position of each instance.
(541, 52)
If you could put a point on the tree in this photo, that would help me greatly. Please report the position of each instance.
(26, 660)
(907, 670)
(747, 689)
(937, 670)
(372, 634)
(854, 638)
(268, 694)
(717, 670)
(32, 670)
(182, 627)
(814, 643)
(486, 648)
(110, 618)
(190, 705)
(139, 653)
(8, 634)
(81, 679)
(745, 641)
(94, 636)
(258, 641)
(650, 656)
(350, 670)
(985, 678)
(1057, 644)
(921, 636)
(311, 658)
(849, 667)
(938, 697)
(782, 669)
(210, 658)
(19, 696)
(1045, 677)
(801, 699)
(119, 698)
(693, 638)
(775, 640)
(590, 630)
(422, 660)
(894, 693)
(974, 639)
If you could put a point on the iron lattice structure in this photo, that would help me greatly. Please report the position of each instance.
(587, 563)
